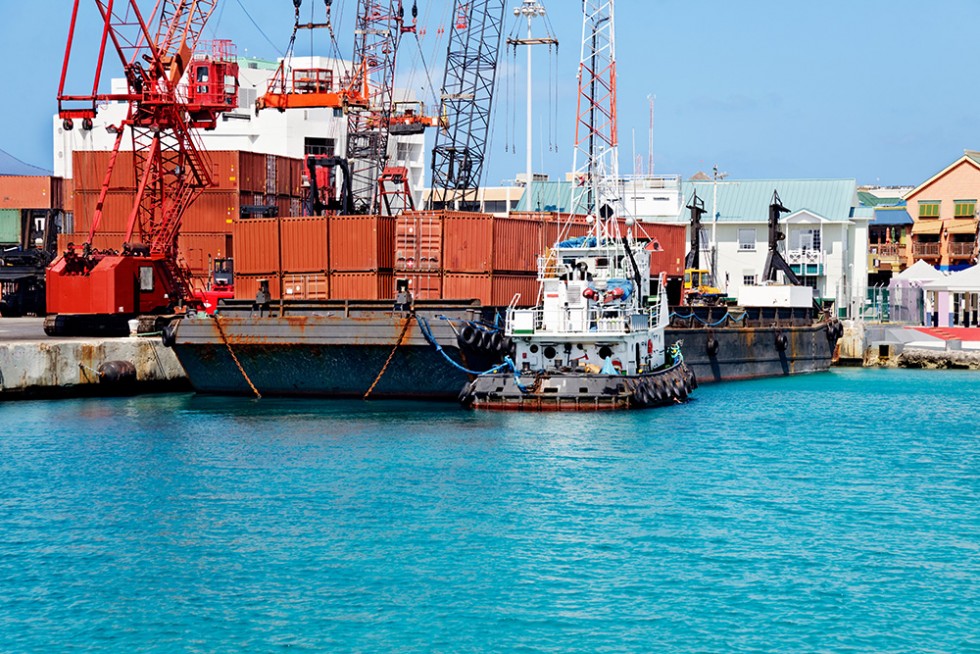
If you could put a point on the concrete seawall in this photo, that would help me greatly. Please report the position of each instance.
(47, 367)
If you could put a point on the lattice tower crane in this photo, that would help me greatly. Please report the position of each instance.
(98, 291)
(467, 100)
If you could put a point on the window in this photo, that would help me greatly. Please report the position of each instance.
(748, 278)
(964, 208)
(495, 206)
(806, 239)
(746, 239)
(320, 147)
(928, 209)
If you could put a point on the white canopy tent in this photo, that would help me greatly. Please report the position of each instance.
(956, 298)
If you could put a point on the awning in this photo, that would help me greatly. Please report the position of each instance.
(962, 226)
(927, 227)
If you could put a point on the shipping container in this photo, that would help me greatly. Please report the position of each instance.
(198, 250)
(67, 194)
(11, 226)
(506, 286)
(517, 243)
(296, 286)
(89, 168)
(20, 192)
(362, 285)
(423, 286)
(362, 243)
(467, 242)
(304, 245)
(467, 286)
(116, 210)
(667, 247)
(212, 212)
(252, 172)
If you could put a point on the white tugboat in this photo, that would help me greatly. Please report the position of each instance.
(596, 338)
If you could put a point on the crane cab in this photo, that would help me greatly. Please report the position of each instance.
(212, 84)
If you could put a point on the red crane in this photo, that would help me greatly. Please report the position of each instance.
(93, 291)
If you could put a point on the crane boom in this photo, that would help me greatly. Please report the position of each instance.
(165, 109)
(466, 103)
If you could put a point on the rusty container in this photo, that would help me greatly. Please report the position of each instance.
(247, 285)
(296, 178)
(467, 286)
(424, 286)
(67, 194)
(252, 174)
(362, 285)
(305, 286)
(362, 243)
(256, 246)
(467, 242)
(89, 168)
(517, 243)
(197, 250)
(212, 212)
(304, 245)
(506, 286)
(19, 192)
(667, 247)
(115, 211)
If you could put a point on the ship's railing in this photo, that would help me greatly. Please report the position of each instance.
(576, 320)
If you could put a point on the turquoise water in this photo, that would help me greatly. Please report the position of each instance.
(834, 513)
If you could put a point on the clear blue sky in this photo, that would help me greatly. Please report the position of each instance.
(880, 90)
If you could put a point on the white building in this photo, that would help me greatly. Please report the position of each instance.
(291, 133)
(826, 230)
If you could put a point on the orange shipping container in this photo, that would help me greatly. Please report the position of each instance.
(212, 212)
(115, 211)
(418, 241)
(467, 245)
(668, 247)
(362, 286)
(89, 168)
(425, 286)
(517, 243)
(505, 286)
(304, 245)
(362, 243)
(197, 250)
(467, 286)
(18, 192)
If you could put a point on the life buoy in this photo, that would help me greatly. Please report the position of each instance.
(470, 336)
(712, 346)
(781, 342)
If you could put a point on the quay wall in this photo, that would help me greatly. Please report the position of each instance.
(70, 367)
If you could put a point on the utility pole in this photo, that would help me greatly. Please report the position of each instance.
(530, 9)
(715, 177)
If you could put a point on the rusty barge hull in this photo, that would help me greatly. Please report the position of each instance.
(336, 350)
(751, 343)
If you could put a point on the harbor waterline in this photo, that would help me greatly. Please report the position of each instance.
(826, 512)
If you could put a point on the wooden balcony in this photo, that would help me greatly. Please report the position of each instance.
(964, 249)
(925, 250)
(887, 250)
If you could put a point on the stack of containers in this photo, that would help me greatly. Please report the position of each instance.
(18, 196)
(362, 250)
(297, 246)
(239, 179)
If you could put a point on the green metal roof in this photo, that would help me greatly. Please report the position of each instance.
(871, 200)
(747, 201)
(548, 196)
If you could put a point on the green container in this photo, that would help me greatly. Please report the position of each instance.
(9, 226)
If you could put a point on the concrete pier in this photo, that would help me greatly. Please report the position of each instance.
(34, 365)
(878, 345)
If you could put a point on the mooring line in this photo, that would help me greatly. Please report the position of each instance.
(224, 339)
(408, 321)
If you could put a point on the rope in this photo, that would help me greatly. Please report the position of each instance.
(427, 333)
(391, 356)
(224, 339)
(727, 316)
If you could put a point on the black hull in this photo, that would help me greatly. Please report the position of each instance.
(339, 351)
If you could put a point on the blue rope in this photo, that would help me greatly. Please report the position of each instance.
(427, 333)
(705, 322)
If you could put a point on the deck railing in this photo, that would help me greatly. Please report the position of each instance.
(925, 249)
(962, 249)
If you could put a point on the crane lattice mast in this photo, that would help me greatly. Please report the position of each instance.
(466, 103)
(376, 38)
(596, 160)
